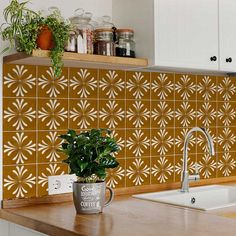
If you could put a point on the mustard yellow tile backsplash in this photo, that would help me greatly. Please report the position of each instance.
(149, 115)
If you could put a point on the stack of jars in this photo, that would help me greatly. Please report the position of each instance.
(99, 38)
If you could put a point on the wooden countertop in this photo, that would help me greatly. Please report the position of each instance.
(126, 216)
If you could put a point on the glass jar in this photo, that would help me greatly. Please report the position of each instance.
(125, 43)
(104, 44)
(71, 45)
(84, 30)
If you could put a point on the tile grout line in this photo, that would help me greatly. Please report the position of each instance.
(37, 132)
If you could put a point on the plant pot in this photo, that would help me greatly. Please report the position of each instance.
(89, 198)
(45, 39)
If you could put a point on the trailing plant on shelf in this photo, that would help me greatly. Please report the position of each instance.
(16, 16)
(25, 26)
(89, 154)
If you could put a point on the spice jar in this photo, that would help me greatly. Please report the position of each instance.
(126, 44)
(84, 31)
(104, 44)
(71, 45)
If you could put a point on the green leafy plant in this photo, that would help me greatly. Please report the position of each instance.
(60, 31)
(16, 16)
(23, 26)
(89, 154)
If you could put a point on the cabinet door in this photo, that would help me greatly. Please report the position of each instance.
(17, 230)
(227, 32)
(4, 228)
(186, 33)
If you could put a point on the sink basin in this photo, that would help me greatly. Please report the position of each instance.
(203, 198)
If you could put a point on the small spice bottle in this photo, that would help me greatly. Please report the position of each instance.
(126, 44)
(104, 44)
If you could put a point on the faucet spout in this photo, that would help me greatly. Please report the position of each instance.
(185, 174)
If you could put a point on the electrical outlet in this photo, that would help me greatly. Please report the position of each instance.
(58, 184)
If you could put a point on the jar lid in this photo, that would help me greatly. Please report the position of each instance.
(125, 30)
(103, 30)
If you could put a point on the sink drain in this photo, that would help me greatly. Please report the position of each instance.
(193, 200)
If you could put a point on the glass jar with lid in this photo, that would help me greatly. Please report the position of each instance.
(104, 44)
(125, 43)
(84, 31)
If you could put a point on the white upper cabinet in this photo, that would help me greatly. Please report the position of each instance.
(192, 34)
(227, 35)
(186, 33)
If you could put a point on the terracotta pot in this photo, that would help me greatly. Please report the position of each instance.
(45, 39)
(89, 198)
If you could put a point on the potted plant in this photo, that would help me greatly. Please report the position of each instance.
(89, 154)
(31, 31)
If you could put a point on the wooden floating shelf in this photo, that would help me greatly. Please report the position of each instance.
(41, 57)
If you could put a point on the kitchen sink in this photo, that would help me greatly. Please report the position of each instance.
(203, 198)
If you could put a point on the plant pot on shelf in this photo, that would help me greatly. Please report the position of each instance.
(89, 198)
(45, 38)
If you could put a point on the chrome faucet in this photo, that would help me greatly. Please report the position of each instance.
(186, 178)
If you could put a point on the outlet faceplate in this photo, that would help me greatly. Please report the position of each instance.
(58, 184)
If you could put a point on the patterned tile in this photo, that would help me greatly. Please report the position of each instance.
(226, 114)
(207, 166)
(83, 83)
(83, 113)
(206, 88)
(19, 148)
(226, 89)
(162, 169)
(162, 114)
(226, 139)
(116, 177)
(138, 143)
(162, 86)
(112, 114)
(137, 85)
(48, 145)
(45, 170)
(185, 114)
(206, 114)
(51, 86)
(52, 114)
(137, 172)
(137, 114)
(226, 164)
(111, 84)
(149, 115)
(120, 137)
(19, 181)
(19, 81)
(185, 87)
(162, 142)
(19, 114)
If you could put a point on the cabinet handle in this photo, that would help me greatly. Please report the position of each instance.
(229, 60)
(214, 58)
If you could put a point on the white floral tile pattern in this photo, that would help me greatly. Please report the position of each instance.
(19, 81)
(51, 86)
(19, 148)
(53, 114)
(83, 113)
(83, 83)
(19, 114)
(19, 181)
(162, 169)
(149, 115)
(138, 172)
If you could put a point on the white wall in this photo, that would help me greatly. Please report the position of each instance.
(67, 7)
